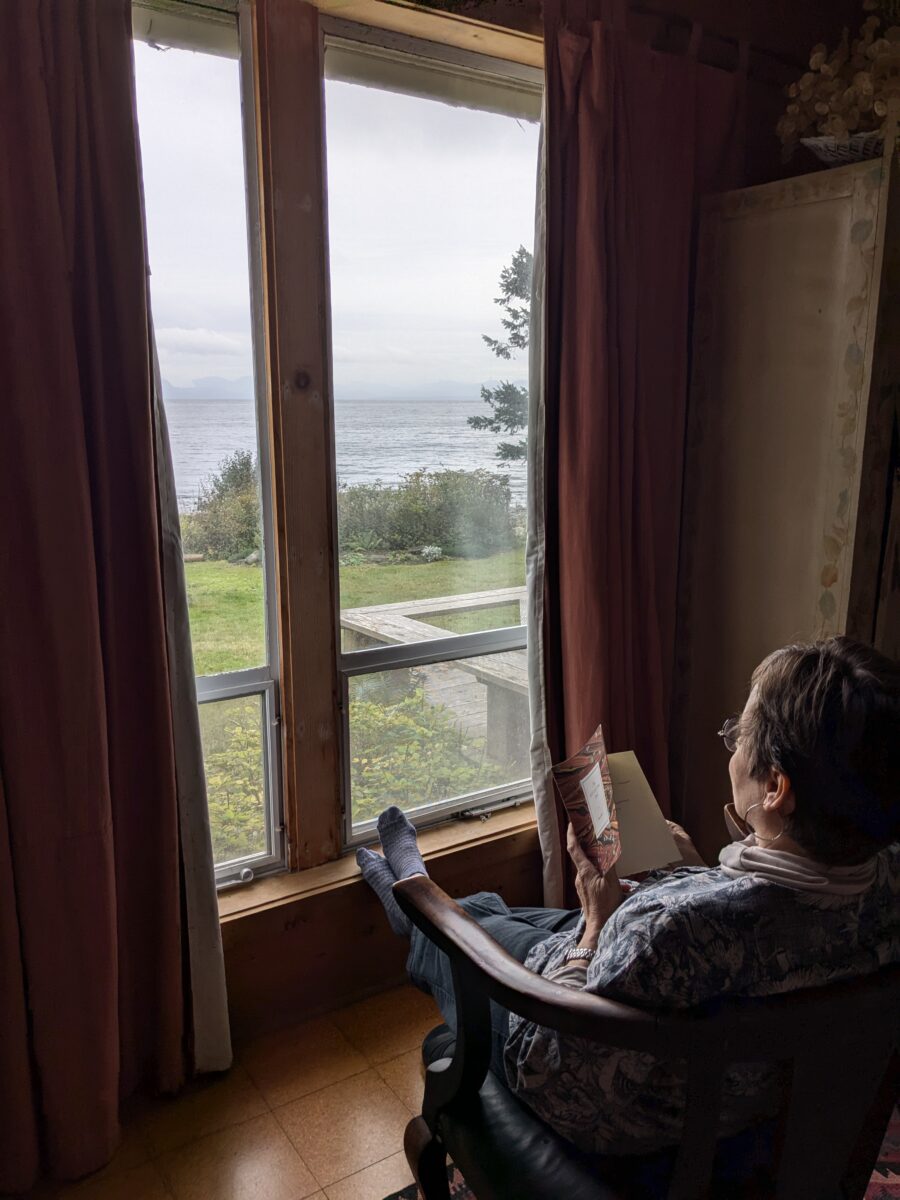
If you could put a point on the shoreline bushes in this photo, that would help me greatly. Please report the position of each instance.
(464, 514)
(429, 514)
(226, 521)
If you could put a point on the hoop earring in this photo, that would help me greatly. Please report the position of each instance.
(768, 841)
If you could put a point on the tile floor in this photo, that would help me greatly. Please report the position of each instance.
(315, 1111)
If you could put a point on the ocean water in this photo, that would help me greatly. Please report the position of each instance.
(375, 440)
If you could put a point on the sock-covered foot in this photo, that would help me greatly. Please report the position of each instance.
(381, 879)
(398, 837)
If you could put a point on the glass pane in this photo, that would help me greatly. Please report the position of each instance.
(189, 109)
(423, 735)
(234, 758)
(431, 219)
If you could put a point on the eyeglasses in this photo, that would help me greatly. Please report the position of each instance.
(730, 732)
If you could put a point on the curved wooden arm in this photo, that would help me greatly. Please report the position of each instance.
(521, 991)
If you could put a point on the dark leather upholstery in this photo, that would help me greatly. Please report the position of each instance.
(506, 1152)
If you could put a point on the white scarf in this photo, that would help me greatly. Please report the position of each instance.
(792, 871)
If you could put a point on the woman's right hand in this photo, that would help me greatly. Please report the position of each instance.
(690, 855)
(600, 895)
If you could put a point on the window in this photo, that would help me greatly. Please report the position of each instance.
(431, 166)
(348, 377)
(204, 270)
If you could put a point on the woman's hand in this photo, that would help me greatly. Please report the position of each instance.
(600, 895)
(690, 855)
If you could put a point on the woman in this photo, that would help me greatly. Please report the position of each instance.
(808, 894)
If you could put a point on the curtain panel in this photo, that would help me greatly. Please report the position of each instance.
(98, 964)
(633, 138)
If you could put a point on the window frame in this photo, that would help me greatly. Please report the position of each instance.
(417, 654)
(352, 664)
(281, 52)
(228, 34)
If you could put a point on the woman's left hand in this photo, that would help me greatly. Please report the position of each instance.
(690, 855)
(600, 895)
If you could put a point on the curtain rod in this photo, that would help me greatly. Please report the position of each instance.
(677, 19)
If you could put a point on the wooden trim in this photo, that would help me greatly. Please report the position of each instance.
(290, 140)
(434, 843)
(875, 475)
(295, 958)
(493, 36)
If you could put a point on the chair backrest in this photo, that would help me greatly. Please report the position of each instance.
(839, 1044)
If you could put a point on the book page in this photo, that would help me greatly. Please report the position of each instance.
(595, 798)
(646, 841)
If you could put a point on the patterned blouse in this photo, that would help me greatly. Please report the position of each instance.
(688, 936)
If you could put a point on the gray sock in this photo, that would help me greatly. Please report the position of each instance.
(398, 837)
(381, 879)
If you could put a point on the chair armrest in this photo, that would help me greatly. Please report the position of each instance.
(499, 976)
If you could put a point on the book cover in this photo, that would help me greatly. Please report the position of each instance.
(585, 789)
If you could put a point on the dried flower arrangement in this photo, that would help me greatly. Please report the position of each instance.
(843, 97)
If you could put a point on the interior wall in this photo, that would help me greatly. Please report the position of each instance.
(786, 29)
(303, 957)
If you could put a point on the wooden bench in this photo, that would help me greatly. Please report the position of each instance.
(502, 717)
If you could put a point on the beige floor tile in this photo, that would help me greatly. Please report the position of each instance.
(293, 1062)
(388, 1024)
(138, 1183)
(404, 1076)
(374, 1183)
(204, 1108)
(251, 1161)
(345, 1127)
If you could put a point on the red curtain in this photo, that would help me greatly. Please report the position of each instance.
(633, 138)
(92, 993)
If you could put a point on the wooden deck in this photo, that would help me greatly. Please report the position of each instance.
(406, 621)
(487, 694)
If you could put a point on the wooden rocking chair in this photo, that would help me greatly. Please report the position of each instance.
(840, 1045)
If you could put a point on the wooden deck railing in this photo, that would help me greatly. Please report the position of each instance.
(500, 713)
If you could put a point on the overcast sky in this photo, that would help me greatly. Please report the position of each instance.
(427, 203)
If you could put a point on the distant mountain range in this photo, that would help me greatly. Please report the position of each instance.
(212, 387)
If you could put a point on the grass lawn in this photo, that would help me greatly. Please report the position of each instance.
(376, 583)
(225, 603)
(226, 607)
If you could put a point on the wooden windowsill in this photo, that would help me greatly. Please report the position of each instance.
(502, 30)
(436, 842)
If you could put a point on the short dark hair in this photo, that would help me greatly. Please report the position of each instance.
(827, 714)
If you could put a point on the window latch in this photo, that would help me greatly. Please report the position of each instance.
(245, 875)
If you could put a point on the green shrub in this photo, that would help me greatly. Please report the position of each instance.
(468, 514)
(226, 522)
(405, 750)
(409, 751)
(235, 777)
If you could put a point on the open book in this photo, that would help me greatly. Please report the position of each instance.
(613, 810)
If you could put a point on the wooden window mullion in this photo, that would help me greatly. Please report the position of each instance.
(290, 139)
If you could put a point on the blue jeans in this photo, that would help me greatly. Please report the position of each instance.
(517, 930)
